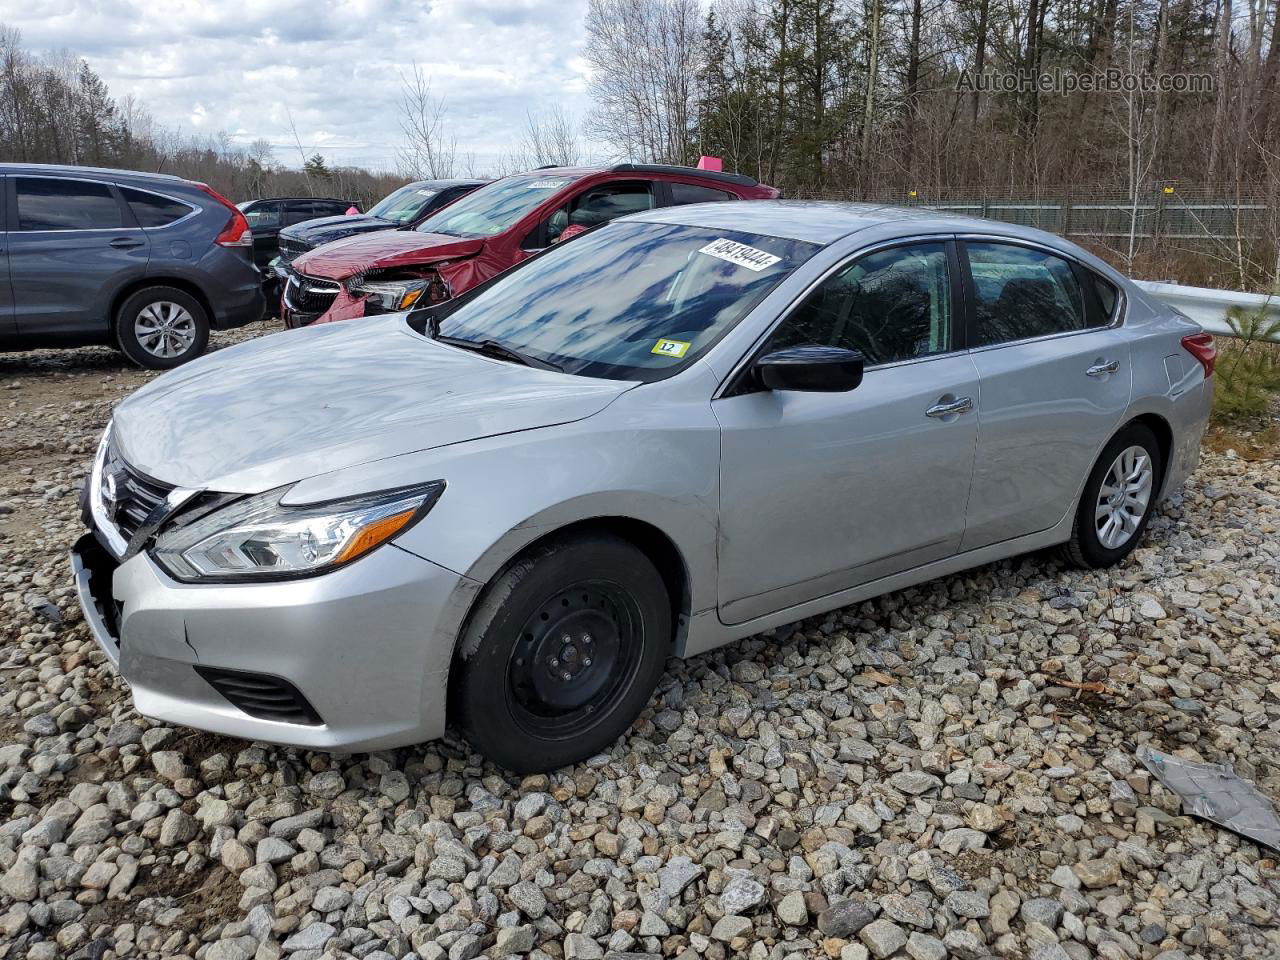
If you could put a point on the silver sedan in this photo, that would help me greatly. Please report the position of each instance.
(691, 425)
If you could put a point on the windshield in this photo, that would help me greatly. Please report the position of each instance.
(492, 209)
(630, 301)
(405, 204)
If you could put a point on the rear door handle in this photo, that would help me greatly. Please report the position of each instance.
(940, 411)
(1102, 369)
(125, 243)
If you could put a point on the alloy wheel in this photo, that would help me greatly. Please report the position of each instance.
(165, 329)
(1123, 497)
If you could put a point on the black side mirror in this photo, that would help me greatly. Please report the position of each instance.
(812, 368)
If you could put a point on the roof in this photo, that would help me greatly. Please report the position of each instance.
(278, 199)
(825, 221)
(681, 171)
(94, 171)
(446, 184)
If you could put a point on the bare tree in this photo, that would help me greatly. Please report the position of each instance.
(428, 151)
(644, 57)
(551, 138)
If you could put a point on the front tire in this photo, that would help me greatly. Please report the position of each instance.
(1118, 499)
(161, 328)
(562, 653)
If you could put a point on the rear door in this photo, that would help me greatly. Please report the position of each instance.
(265, 220)
(73, 243)
(8, 325)
(1055, 380)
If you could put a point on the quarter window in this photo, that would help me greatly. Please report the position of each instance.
(49, 204)
(892, 305)
(1107, 296)
(1020, 293)
(153, 210)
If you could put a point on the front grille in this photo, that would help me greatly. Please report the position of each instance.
(306, 295)
(128, 496)
(291, 248)
(261, 695)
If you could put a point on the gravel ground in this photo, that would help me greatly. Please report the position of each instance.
(944, 771)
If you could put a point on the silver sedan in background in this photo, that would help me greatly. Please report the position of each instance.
(688, 426)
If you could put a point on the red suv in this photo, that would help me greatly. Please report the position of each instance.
(486, 232)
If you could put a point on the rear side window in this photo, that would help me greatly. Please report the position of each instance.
(682, 193)
(329, 208)
(1021, 293)
(56, 204)
(153, 210)
(264, 215)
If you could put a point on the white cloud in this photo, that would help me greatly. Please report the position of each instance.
(334, 66)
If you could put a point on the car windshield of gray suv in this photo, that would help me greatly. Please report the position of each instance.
(630, 301)
(491, 209)
(403, 205)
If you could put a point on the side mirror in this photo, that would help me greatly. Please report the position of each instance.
(811, 368)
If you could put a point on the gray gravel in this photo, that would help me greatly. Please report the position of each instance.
(943, 772)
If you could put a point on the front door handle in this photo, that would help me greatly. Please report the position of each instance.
(125, 243)
(1102, 369)
(940, 411)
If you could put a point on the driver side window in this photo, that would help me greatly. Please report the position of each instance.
(597, 205)
(891, 305)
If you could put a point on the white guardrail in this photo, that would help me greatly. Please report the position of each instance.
(1208, 307)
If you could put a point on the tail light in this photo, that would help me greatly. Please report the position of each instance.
(1202, 347)
(236, 233)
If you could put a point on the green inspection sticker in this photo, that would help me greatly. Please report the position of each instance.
(670, 348)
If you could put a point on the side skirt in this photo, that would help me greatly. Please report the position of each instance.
(706, 631)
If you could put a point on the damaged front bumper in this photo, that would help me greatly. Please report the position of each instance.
(356, 659)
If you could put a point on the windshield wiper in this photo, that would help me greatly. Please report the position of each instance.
(492, 348)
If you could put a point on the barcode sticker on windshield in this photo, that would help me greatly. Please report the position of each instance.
(547, 184)
(740, 254)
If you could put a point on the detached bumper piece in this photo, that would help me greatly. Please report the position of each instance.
(261, 696)
(93, 567)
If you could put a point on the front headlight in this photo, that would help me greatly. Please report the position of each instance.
(258, 538)
(393, 294)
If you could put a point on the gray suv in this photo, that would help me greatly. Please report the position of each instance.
(144, 261)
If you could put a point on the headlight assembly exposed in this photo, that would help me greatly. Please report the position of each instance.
(397, 294)
(258, 538)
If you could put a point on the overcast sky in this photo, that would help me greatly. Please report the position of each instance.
(243, 65)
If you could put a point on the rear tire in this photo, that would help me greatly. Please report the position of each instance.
(161, 328)
(562, 653)
(1118, 499)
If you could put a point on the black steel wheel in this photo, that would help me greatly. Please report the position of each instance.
(562, 653)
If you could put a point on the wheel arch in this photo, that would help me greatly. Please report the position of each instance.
(651, 540)
(192, 290)
(1163, 432)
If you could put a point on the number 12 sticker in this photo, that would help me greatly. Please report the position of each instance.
(670, 348)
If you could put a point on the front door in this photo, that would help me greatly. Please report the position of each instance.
(821, 492)
(71, 243)
(1056, 381)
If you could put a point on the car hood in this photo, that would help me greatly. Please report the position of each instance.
(326, 229)
(301, 403)
(382, 250)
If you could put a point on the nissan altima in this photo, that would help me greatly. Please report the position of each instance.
(506, 511)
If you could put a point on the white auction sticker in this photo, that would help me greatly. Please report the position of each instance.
(740, 254)
(547, 184)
